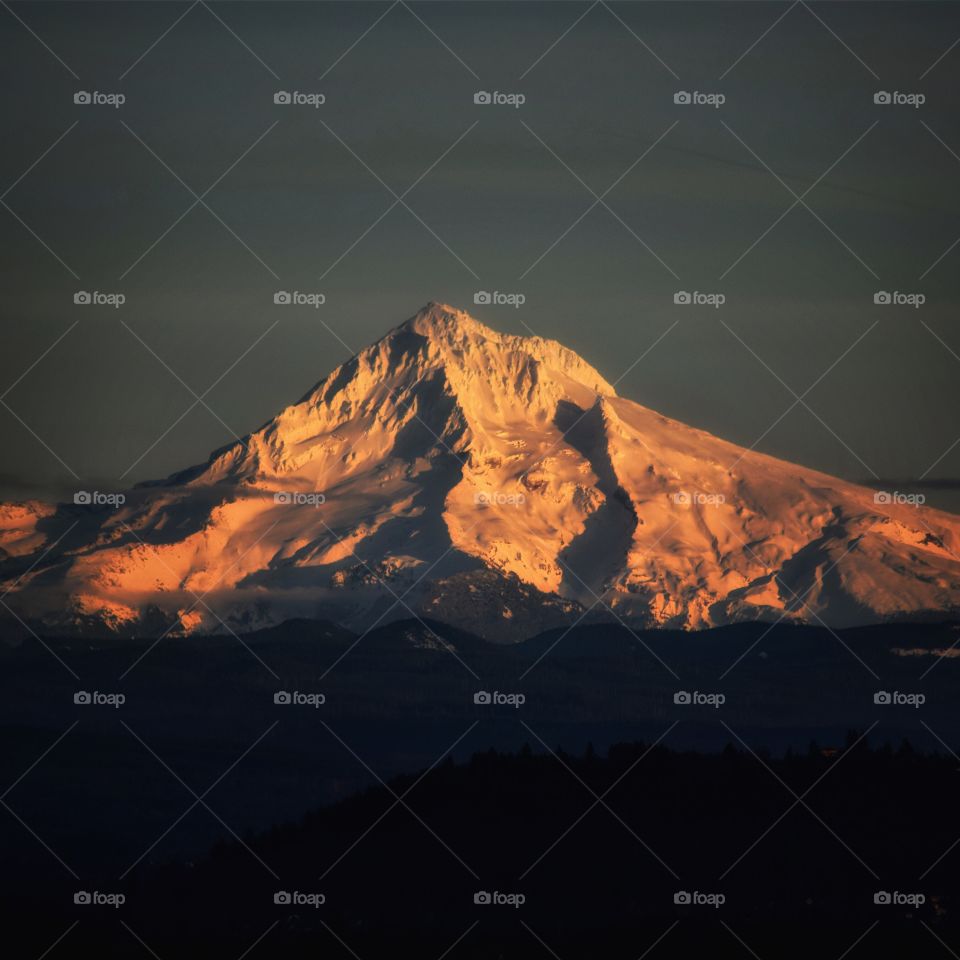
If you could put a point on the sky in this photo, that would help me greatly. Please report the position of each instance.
(597, 199)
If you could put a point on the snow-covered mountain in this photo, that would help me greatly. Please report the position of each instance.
(492, 481)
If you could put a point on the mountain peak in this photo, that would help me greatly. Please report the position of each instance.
(455, 336)
(440, 319)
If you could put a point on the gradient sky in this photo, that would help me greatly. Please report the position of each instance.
(800, 102)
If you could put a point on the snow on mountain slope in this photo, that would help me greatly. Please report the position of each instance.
(448, 467)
